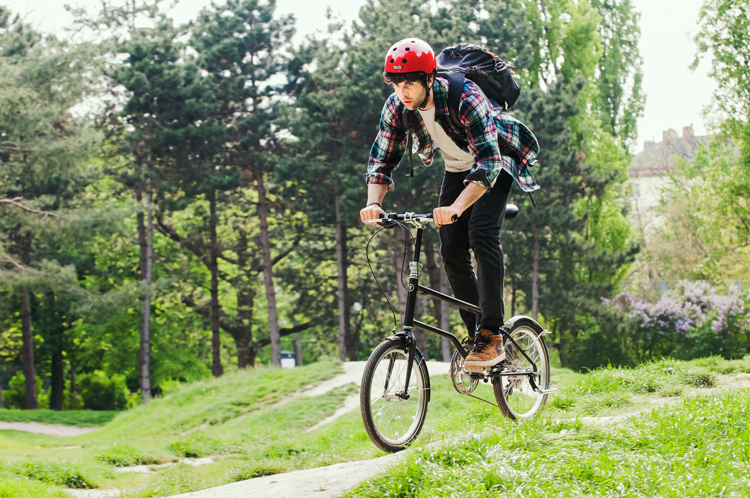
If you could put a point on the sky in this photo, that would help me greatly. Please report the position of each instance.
(675, 96)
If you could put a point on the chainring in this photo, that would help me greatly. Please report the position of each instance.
(462, 381)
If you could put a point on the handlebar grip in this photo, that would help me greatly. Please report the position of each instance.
(454, 218)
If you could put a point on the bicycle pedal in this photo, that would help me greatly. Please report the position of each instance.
(500, 366)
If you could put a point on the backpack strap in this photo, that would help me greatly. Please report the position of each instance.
(455, 90)
(405, 122)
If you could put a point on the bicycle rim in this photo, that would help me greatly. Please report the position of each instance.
(394, 421)
(514, 394)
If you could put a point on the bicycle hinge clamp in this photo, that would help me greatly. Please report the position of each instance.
(415, 269)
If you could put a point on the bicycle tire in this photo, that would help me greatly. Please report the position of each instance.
(514, 395)
(391, 422)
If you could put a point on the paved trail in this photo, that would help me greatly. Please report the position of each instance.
(321, 482)
(48, 429)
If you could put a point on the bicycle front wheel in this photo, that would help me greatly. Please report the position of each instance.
(393, 421)
(514, 394)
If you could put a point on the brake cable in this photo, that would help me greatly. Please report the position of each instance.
(390, 224)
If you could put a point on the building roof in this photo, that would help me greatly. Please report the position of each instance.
(658, 158)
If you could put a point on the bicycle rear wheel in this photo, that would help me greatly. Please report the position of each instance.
(514, 395)
(391, 421)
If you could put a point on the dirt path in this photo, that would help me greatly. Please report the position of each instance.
(48, 429)
(321, 482)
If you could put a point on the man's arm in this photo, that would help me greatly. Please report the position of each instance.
(470, 195)
(375, 193)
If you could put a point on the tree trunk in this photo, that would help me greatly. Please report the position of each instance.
(298, 350)
(146, 239)
(535, 278)
(513, 296)
(252, 354)
(57, 385)
(435, 275)
(265, 249)
(242, 341)
(245, 298)
(1, 398)
(345, 345)
(216, 368)
(32, 402)
(444, 321)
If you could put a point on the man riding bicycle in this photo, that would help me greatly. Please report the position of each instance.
(476, 185)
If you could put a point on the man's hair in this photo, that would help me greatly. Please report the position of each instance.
(396, 78)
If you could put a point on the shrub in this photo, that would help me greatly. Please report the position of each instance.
(15, 396)
(100, 393)
(691, 321)
(72, 401)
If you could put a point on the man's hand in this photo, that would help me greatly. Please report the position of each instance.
(470, 195)
(444, 215)
(371, 212)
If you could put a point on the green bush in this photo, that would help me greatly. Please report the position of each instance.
(15, 396)
(100, 393)
(134, 399)
(72, 401)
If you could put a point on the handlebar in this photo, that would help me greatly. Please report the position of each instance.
(511, 211)
(406, 217)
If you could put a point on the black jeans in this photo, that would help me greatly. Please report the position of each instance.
(478, 229)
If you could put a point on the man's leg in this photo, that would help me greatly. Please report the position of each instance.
(485, 222)
(454, 249)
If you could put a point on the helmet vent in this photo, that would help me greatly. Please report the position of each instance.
(403, 60)
(407, 49)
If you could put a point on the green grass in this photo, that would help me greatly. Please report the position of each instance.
(239, 421)
(227, 418)
(14, 487)
(78, 418)
(695, 449)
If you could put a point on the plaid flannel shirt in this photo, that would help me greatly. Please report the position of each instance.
(495, 139)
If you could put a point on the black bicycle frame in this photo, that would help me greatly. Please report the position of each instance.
(410, 323)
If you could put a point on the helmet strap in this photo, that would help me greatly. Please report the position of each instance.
(427, 96)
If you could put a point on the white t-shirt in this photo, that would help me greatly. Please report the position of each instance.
(455, 159)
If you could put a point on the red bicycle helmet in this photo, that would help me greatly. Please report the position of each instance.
(410, 55)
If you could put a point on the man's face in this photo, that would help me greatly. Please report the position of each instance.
(412, 94)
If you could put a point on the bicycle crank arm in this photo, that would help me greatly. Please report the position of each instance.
(512, 374)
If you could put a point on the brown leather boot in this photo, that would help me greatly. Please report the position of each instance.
(488, 352)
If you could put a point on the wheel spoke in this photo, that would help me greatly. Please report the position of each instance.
(395, 421)
(515, 392)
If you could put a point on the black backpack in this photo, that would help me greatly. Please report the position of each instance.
(487, 70)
